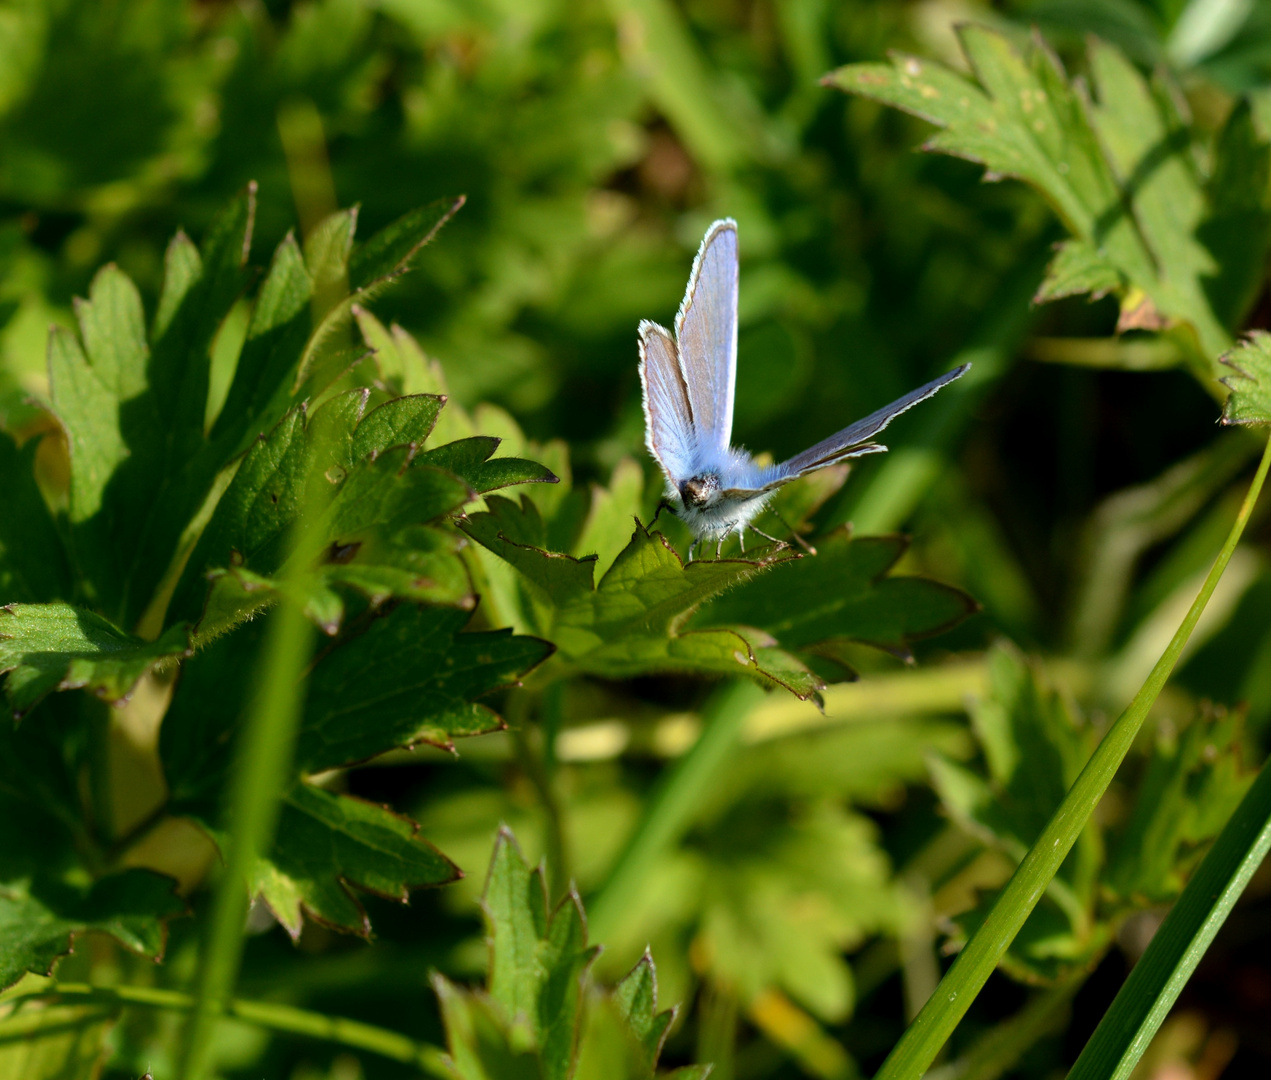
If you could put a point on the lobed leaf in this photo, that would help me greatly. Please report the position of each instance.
(1192, 785)
(369, 529)
(841, 594)
(536, 1018)
(410, 676)
(1117, 166)
(326, 845)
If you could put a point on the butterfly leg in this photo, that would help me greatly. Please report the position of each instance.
(760, 532)
(719, 547)
(692, 548)
(794, 535)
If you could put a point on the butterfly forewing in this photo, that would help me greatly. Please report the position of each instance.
(668, 419)
(706, 332)
(847, 443)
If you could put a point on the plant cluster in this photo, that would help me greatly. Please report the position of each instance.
(298, 623)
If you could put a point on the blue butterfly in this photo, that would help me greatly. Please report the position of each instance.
(688, 380)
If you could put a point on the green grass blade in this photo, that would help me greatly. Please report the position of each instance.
(923, 1039)
(1157, 979)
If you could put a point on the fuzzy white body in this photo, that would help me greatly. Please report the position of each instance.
(725, 494)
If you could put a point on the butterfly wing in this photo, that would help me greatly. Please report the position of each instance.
(668, 418)
(848, 442)
(706, 333)
(852, 441)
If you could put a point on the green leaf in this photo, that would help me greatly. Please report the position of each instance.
(261, 390)
(636, 996)
(1154, 984)
(327, 844)
(410, 676)
(517, 534)
(608, 526)
(369, 532)
(55, 1042)
(537, 1018)
(537, 958)
(841, 594)
(33, 566)
(1034, 748)
(1118, 171)
(39, 919)
(472, 459)
(1238, 225)
(1192, 785)
(1078, 269)
(48, 647)
(1249, 402)
(133, 413)
(630, 623)
(370, 269)
(389, 252)
(48, 895)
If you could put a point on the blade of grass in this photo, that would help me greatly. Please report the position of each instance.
(922, 1040)
(267, 1014)
(1161, 973)
(670, 810)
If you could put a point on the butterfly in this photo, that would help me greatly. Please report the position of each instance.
(688, 379)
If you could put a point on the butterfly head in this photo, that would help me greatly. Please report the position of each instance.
(699, 491)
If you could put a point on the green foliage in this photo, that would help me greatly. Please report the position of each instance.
(769, 618)
(538, 1015)
(133, 414)
(1034, 746)
(1117, 166)
(1248, 402)
(46, 895)
(57, 1042)
(251, 506)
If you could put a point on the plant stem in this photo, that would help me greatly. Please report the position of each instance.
(260, 775)
(670, 810)
(922, 1040)
(351, 1033)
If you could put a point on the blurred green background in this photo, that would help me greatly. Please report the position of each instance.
(594, 142)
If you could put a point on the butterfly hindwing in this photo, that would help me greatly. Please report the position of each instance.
(668, 417)
(706, 333)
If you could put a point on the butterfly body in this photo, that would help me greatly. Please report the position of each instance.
(688, 380)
